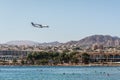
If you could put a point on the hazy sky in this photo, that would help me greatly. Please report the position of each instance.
(68, 19)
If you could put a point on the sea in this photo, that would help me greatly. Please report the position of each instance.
(59, 73)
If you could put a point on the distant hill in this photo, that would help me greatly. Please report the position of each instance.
(32, 43)
(22, 42)
(56, 43)
(105, 40)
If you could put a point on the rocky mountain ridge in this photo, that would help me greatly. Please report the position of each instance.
(105, 40)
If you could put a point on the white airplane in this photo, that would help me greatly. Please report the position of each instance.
(39, 25)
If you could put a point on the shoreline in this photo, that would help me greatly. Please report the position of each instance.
(79, 65)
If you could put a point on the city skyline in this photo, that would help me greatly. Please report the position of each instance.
(68, 20)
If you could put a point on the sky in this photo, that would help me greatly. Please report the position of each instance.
(68, 19)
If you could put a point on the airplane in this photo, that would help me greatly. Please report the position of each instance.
(39, 25)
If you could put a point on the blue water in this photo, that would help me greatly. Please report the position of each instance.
(58, 73)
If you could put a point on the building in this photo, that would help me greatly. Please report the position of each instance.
(8, 55)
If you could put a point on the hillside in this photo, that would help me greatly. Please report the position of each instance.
(32, 43)
(22, 42)
(105, 40)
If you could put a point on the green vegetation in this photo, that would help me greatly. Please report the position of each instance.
(52, 58)
(85, 58)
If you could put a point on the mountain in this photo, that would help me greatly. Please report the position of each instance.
(32, 43)
(56, 43)
(105, 40)
(22, 42)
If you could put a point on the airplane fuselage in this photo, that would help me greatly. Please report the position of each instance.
(39, 25)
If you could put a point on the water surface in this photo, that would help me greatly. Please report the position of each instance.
(58, 73)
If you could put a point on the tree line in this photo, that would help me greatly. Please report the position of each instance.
(55, 58)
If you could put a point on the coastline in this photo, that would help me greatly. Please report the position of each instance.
(81, 65)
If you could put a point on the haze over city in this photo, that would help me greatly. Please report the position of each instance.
(68, 19)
